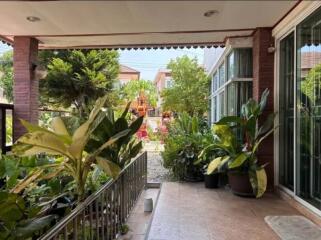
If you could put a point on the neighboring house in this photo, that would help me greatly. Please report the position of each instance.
(163, 79)
(127, 74)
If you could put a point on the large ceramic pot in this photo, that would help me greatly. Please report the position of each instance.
(211, 180)
(240, 184)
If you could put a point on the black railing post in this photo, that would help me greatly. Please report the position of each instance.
(3, 130)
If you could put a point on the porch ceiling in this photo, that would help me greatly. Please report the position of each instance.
(77, 24)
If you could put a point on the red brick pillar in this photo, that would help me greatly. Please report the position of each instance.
(263, 77)
(25, 88)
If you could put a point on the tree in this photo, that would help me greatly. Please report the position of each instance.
(132, 90)
(190, 88)
(6, 75)
(76, 78)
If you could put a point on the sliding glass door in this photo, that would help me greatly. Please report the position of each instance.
(286, 112)
(308, 174)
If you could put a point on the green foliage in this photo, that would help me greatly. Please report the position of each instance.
(9, 129)
(76, 78)
(190, 88)
(18, 220)
(187, 137)
(123, 149)
(74, 160)
(6, 74)
(241, 156)
(132, 90)
(312, 82)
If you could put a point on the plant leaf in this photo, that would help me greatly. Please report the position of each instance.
(258, 181)
(36, 224)
(111, 141)
(263, 101)
(59, 127)
(214, 165)
(109, 167)
(230, 119)
(125, 112)
(40, 142)
(26, 181)
(238, 160)
(267, 125)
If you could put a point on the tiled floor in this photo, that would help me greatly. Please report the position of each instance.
(188, 211)
(138, 220)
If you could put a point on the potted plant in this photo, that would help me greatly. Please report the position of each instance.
(240, 137)
(211, 179)
(185, 140)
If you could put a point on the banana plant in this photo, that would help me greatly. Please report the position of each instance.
(125, 147)
(241, 156)
(70, 148)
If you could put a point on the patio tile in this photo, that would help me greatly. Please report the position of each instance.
(213, 214)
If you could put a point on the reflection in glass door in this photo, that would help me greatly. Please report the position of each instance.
(286, 112)
(309, 109)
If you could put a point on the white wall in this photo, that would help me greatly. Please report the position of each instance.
(211, 56)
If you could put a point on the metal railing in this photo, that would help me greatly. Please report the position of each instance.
(102, 214)
(6, 127)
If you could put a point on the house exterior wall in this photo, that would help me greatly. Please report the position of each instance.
(263, 78)
(126, 77)
(163, 77)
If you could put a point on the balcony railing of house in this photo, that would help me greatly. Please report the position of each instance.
(102, 214)
(6, 127)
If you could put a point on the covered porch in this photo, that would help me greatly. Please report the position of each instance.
(183, 210)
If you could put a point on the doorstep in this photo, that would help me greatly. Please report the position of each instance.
(298, 206)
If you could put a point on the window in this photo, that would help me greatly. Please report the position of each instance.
(240, 63)
(231, 85)
(215, 81)
(243, 63)
(222, 74)
(168, 82)
(231, 99)
(221, 105)
(213, 110)
(237, 94)
(230, 66)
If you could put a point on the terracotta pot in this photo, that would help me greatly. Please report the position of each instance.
(240, 184)
(211, 181)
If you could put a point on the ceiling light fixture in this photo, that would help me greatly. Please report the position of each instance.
(33, 19)
(210, 13)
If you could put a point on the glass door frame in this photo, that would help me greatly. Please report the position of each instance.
(277, 108)
(280, 33)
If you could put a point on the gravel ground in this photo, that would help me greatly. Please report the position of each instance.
(156, 173)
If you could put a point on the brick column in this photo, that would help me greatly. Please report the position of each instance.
(25, 88)
(263, 77)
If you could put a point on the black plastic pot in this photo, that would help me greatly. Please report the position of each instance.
(211, 181)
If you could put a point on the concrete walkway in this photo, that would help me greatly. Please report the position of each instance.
(188, 211)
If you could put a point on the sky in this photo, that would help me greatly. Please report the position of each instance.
(148, 62)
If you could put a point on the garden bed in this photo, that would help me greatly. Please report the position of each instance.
(102, 214)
